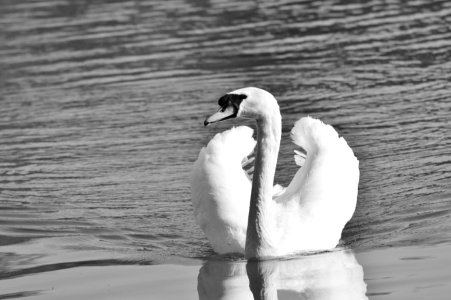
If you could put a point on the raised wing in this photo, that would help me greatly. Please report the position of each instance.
(221, 189)
(323, 191)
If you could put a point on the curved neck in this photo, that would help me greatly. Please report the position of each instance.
(259, 226)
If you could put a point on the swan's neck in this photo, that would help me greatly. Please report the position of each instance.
(260, 222)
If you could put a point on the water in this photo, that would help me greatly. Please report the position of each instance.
(102, 105)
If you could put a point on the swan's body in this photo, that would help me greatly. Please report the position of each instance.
(255, 218)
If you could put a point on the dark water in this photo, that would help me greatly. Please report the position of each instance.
(102, 104)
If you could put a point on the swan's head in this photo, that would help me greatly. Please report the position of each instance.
(250, 102)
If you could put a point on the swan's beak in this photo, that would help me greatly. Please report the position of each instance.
(222, 114)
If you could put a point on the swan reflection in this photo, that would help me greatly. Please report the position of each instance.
(331, 275)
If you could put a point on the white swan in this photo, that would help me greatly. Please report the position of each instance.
(256, 218)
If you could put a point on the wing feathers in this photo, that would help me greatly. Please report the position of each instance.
(324, 190)
(221, 189)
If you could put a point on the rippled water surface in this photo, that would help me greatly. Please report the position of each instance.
(102, 105)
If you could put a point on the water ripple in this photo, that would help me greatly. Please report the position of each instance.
(102, 106)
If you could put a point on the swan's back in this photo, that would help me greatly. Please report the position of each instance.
(221, 189)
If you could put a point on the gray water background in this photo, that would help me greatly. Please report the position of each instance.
(102, 105)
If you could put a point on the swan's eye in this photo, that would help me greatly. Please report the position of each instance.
(231, 100)
(223, 101)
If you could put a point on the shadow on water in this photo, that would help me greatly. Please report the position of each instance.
(68, 265)
(331, 275)
(19, 295)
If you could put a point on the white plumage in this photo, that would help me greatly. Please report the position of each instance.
(308, 215)
(221, 189)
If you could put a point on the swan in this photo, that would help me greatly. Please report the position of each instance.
(256, 218)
